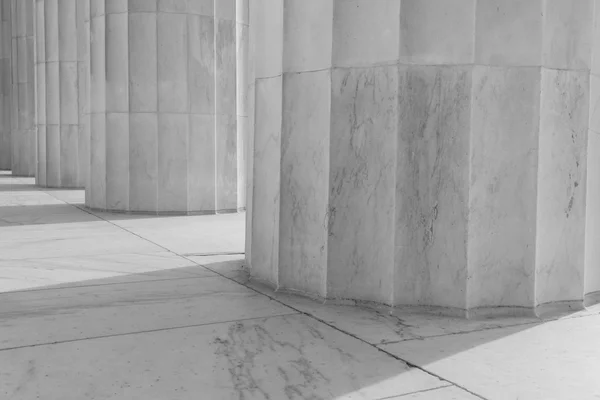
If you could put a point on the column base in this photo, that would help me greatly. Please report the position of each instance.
(543, 311)
(167, 213)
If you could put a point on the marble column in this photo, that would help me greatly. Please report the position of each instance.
(592, 216)
(63, 153)
(243, 106)
(23, 130)
(5, 85)
(163, 106)
(429, 153)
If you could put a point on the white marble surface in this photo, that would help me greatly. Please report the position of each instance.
(382, 325)
(437, 31)
(23, 137)
(265, 214)
(149, 323)
(509, 33)
(364, 115)
(277, 357)
(29, 274)
(432, 186)
(74, 313)
(502, 205)
(308, 35)
(163, 101)
(5, 85)
(188, 235)
(444, 393)
(556, 360)
(365, 33)
(561, 186)
(305, 174)
(568, 27)
(592, 214)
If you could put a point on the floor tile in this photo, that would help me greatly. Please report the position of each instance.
(446, 393)
(291, 357)
(231, 266)
(69, 240)
(194, 235)
(553, 360)
(43, 214)
(380, 325)
(47, 316)
(95, 269)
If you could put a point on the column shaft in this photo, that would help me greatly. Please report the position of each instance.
(62, 151)
(430, 153)
(5, 85)
(23, 137)
(163, 107)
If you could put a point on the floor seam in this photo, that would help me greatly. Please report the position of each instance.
(408, 363)
(173, 328)
(417, 392)
(487, 329)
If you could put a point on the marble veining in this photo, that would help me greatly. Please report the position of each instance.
(505, 124)
(432, 186)
(305, 165)
(561, 201)
(364, 118)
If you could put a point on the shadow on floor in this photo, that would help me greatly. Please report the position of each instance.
(234, 326)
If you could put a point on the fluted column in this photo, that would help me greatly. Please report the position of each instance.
(62, 149)
(23, 137)
(592, 216)
(163, 106)
(243, 107)
(5, 85)
(427, 153)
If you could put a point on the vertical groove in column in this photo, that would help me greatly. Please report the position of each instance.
(23, 131)
(5, 85)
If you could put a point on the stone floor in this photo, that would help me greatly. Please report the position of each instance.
(107, 306)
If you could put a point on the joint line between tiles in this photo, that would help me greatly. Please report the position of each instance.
(143, 332)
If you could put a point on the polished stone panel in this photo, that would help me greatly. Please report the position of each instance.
(562, 166)
(437, 32)
(502, 200)
(364, 118)
(304, 181)
(432, 186)
(557, 360)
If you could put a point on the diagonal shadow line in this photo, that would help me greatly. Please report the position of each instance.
(283, 304)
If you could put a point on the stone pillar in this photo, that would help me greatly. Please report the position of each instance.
(592, 227)
(163, 106)
(62, 144)
(425, 153)
(5, 85)
(23, 137)
(242, 37)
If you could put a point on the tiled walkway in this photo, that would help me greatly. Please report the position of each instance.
(107, 306)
